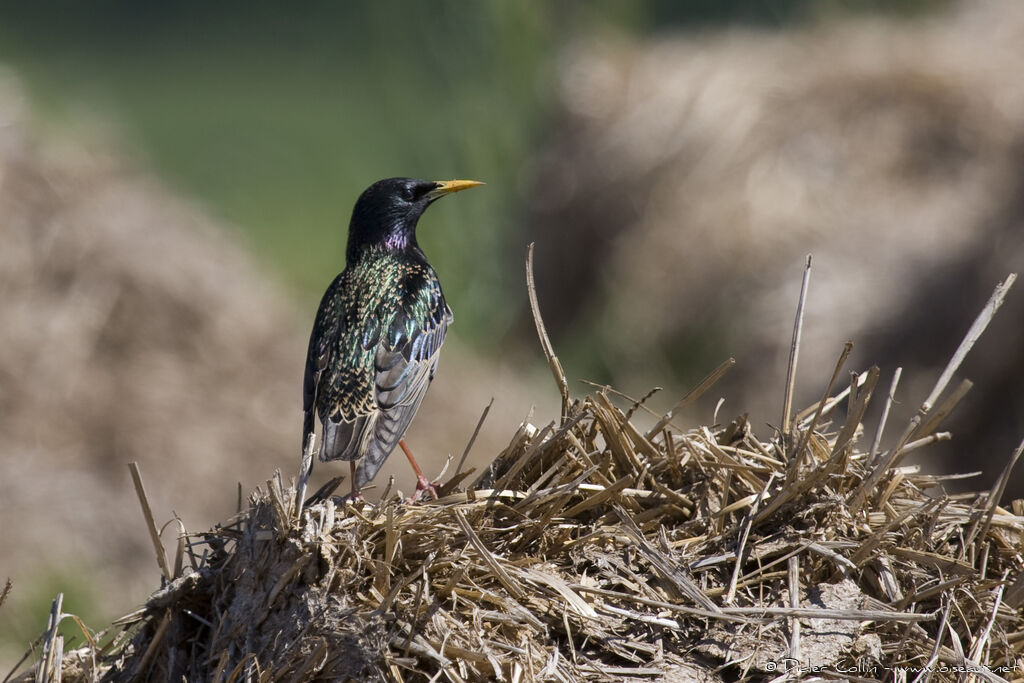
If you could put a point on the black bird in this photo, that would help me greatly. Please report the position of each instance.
(374, 346)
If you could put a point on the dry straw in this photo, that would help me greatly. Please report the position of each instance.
(592, 549)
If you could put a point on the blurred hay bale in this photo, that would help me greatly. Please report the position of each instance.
(591, 550)
(132, 328)
(693, 173)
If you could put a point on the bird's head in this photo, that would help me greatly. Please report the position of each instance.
(386, 213)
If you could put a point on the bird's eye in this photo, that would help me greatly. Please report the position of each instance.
(409, 194)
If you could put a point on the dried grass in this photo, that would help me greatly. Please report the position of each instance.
(591, 550)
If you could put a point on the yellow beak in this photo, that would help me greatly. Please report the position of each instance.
(448, 186)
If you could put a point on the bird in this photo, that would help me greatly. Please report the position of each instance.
(374, 347)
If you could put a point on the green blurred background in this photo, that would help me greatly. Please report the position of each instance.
(275, 120)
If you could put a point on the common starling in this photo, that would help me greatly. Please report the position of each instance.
(374, 346)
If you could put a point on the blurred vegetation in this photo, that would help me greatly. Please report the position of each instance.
(277, 119)
(23, 617)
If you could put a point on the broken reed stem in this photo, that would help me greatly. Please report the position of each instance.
(472, 439)
(847, 348)
(997, 492)
(147, 513)
(981, 642)
(975, 331)
(179, 552)
(926, 672)
(730, 594)
(636, 403)
(794, 602)
(49, 664)
(804, 415)
(691, 396)
(860, 392)
(794, 351)
(664, 566)
(873, 453)
(542, 334)
(857, 499)
(488, 557)
(945, 408)
(824, 613)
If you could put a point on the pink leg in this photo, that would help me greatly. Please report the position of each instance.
(422, 483)
(356, 493)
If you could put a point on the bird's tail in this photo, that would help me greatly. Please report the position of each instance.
(345, 439)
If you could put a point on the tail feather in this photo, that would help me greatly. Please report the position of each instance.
(343, 439)
(389, 428)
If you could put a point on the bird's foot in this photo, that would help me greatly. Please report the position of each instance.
(422, 483)
(423, 486)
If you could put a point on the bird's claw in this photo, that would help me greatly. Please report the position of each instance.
(423, 485)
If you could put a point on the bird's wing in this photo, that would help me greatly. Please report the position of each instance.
(338, 377)
(322, 346)
(404, 363)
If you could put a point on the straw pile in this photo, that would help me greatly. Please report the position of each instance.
(698, 167)
(594, 549)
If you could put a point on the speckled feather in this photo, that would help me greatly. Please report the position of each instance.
(373, 353)
(375, 342)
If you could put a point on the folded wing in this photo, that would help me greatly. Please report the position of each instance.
(404, 363)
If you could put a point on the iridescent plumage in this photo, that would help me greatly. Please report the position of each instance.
(375, 343)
